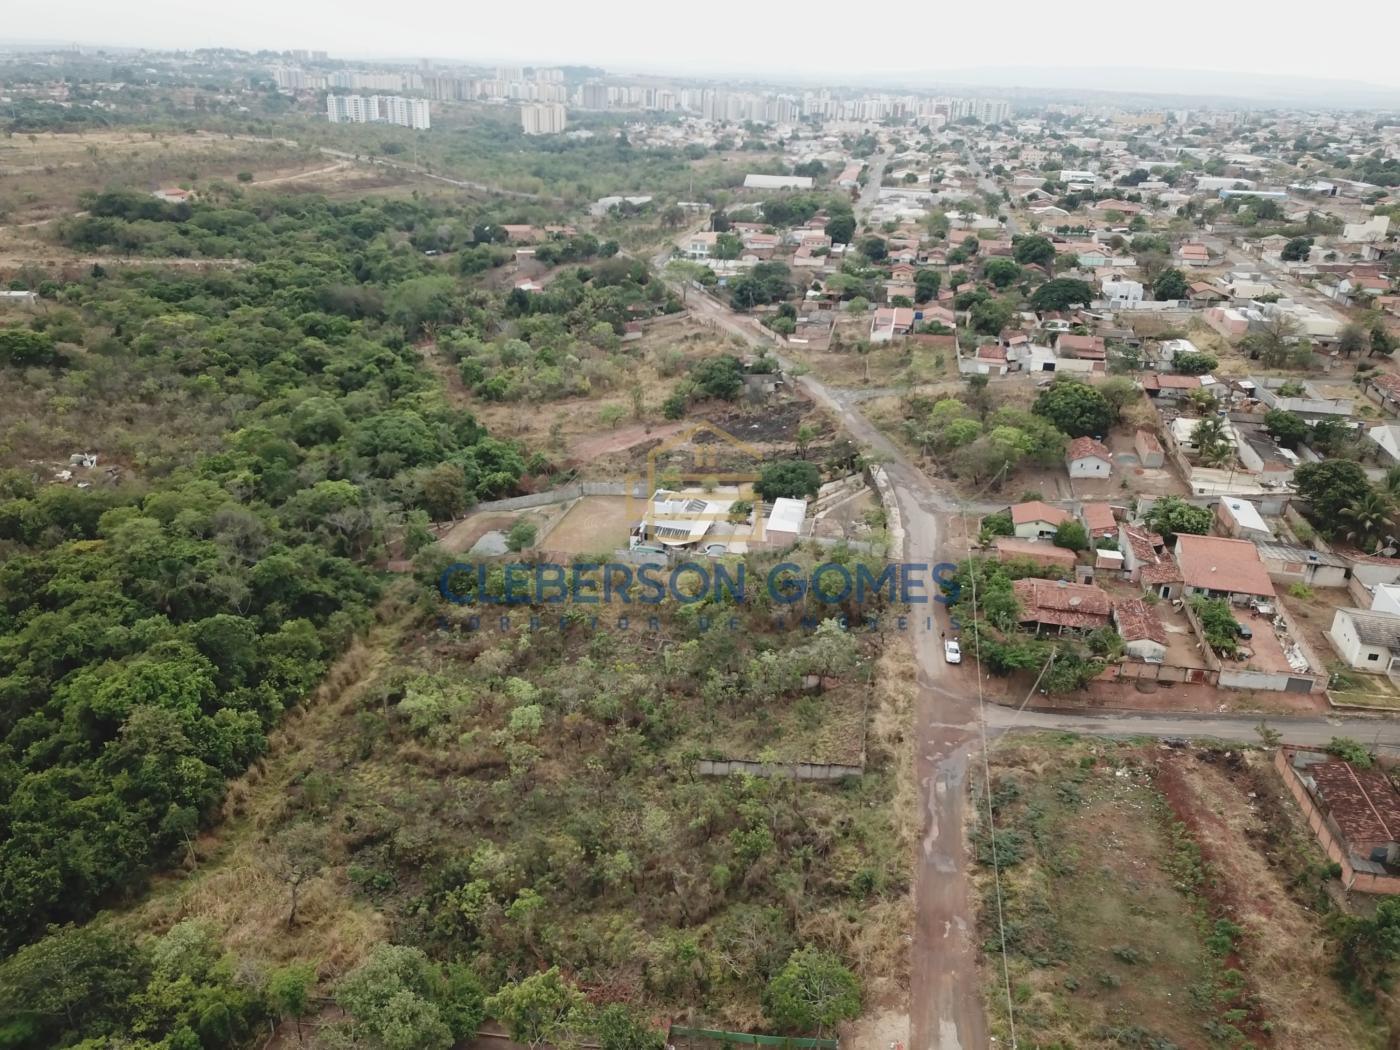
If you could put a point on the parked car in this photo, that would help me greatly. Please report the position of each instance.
(1245, 632)
(952, 651)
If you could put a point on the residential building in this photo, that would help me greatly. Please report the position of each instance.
(1376, 228)
(1037, 521)
(1087, 458)
(785, 521)
(1287, 565)
(777, 182)
(1149, 450)
(1367, 640)
(378, 109)
(890, 321)
(1194, 255)
(1099, 521)
(1144, 636)
(1354, 812)
(1061, 605)
(543, 118)
(1119, 293)
(1241, 519)
(1218, 567)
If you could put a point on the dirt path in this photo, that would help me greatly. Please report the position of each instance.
(337, 166)
(621, 439)
(945, 1007)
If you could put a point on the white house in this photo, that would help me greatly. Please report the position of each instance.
(1376, 228)
(784, 525)
(1037, 521)
(1087, 458)
(1367, 640)
(1385, 598)
(1119, 292)
(777, 182)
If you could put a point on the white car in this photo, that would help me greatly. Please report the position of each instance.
(952, 651)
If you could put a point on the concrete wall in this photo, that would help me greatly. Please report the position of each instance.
(566, 493)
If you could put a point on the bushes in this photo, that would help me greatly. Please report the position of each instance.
(791, 478)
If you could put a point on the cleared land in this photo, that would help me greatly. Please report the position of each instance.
(1156, 898)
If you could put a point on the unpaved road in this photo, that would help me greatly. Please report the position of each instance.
(945, 993)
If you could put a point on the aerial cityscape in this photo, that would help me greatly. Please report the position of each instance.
(723, 546)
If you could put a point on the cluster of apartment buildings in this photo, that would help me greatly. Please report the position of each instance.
(378, 109)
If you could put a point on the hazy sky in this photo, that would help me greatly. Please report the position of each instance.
(817, 38)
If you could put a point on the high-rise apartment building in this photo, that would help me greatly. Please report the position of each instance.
(378, 109)
(542, 118)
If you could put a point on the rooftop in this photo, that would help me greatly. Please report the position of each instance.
(1362, 802)
(1137, 621)
(1062, 604)
(1035, 510)
(1079, 448)
(1218, 564)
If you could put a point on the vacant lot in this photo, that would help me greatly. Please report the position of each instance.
(1146, 904)
(593, 525)
(42, 176)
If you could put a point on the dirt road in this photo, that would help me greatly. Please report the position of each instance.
(945, 993)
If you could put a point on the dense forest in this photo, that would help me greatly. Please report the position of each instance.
(152, 627)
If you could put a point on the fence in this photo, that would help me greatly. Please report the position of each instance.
(1362, 882)
(751, 1039)
(794, 770)
(565, 493)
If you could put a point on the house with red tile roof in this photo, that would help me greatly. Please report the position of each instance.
(1062, 606)
(1142, 631)
(1087, 458)
(1219, 567)
(1099, 521)
(1037, 520)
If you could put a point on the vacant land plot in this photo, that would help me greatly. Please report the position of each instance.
(593, 525)
(1144, 903)
(42, 176)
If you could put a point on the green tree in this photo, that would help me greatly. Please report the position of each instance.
(1351, 339)
(1365, 521)
(1381, 341)
(542, 1008)
(1170, 285)
(728, 246)
(1329, 487)
(1189, 364)
(1171, 516)
(1001, 272)
(23, 348)
(394, 999)
(790, 478)
(812, 992)
(1287, 428)
(841, 227)
(1119, 392)
(926, 285)
(289, 991)
(874, 248)
(1062, 293)
(719, 377)
(1071, 535)
(521, 535)
(619, 1027)
(1297, 249)
(1074, 407)
(1033, 250)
